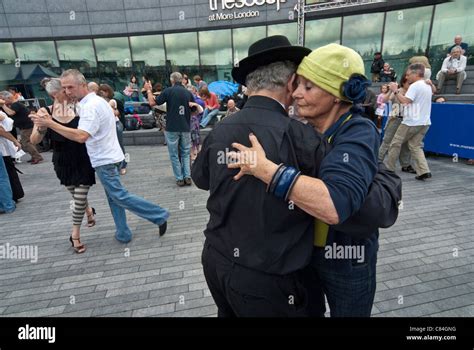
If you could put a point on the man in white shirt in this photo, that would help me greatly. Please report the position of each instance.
(97, 130)
(8, 148)
(454, 67)
(416, 121)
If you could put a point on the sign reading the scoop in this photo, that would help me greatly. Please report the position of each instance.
(238, 4)
(216, 5)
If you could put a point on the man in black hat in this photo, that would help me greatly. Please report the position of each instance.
(257, 245)
(376, 67)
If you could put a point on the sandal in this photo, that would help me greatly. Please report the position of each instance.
(80, 248)
(91, 218)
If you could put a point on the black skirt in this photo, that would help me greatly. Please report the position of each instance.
(71, 161)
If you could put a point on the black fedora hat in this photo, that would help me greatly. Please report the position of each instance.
(274, 48)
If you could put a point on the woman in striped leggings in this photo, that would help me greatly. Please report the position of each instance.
(71, 162)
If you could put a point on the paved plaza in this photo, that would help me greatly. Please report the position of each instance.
(425, 264)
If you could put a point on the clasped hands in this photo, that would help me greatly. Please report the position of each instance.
(42, 119)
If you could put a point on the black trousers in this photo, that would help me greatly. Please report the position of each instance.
(15, 183)
(242, 292)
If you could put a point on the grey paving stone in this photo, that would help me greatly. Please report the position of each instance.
(74, 299)
(415, 311)
(210, 310)
(402, 282)
(153, 311)
(467, 311)
(420, 298)
(456, 302)
(46, 296)
(57, 310)
(415, 257)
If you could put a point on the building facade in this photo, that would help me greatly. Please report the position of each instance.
(109, 40)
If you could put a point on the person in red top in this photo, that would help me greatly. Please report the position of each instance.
(212, 106)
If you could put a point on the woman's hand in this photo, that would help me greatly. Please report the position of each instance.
(251, 161)
(17, 145)
(42, 119)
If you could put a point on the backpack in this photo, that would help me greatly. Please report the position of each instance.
(131, 123)
(380, 208)
(136, 108)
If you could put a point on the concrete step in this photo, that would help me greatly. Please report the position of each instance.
(150, 137)
(464, 98)
(451, 88)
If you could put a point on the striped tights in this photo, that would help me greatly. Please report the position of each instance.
(79, 203)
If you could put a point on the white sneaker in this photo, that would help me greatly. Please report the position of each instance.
(18, 160)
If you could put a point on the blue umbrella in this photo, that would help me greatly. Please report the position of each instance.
(223, 88)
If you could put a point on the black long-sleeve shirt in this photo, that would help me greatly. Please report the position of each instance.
(248, 225)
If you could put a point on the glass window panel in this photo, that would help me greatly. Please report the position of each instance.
(113, 50)
(42, 52)
(80, 51)
(182, 54)
(406, 35)
(363, 33)
(243, 38)
(113, 62)
(78, 54)
(290, 30)
(216, 55)
(148, 49)
(322, 32)
(8, 71)
(7, 54)
(451, 19)
(148, 53)
(182, 49)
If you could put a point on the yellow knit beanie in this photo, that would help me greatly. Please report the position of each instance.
(330, 66)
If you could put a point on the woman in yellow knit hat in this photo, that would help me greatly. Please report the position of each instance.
(330, 86)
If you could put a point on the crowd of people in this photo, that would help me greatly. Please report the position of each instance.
(281, 260)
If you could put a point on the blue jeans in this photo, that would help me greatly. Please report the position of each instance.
(208, 115)
(7, 204)
(119, 128)
(349, 293)
(120, 199)
(179, 148)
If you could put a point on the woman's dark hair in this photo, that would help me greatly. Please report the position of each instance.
(403, 79)
(146, 77)
(204, 92)
(436, 98)
(157, 87)
(107, 90)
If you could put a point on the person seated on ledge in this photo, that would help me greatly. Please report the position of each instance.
(387, 74)
(458, 42)
(454, 67)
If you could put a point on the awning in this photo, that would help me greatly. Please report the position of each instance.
(30, 73)
(9, 72)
